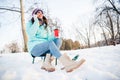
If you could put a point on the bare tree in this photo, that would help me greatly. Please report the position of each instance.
(118, 28)
(113, 5)
(21, 10)
(111, 28)
(104, 34)
(13, 47)
(94, 36)
(106, 17)
(76, 45)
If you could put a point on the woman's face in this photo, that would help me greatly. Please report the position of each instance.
(40, 14)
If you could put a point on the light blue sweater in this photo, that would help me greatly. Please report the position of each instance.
(37, 34)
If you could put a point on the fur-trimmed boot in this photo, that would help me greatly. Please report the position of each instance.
(47, 64)
(70, 65)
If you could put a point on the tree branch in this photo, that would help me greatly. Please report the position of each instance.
(114, 7)
(10, 10)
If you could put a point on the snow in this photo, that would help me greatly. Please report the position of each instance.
(102, 63)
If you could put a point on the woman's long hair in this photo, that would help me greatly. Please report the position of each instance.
(45, 21)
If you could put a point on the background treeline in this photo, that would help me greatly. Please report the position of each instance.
(68, 44)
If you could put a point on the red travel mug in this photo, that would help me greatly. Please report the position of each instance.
(56, 33)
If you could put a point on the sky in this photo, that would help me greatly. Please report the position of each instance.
(68, 11)
(102, 63)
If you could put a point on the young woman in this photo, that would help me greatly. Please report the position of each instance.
(42, 41)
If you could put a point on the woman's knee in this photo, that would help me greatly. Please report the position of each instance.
(58, 41)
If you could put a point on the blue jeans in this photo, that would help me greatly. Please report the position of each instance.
(51, 47)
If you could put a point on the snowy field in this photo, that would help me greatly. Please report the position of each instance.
(102, 63)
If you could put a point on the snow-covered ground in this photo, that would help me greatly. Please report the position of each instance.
(102, 63)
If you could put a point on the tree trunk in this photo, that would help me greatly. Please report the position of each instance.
(111, 28)
(88, 38)
(95, 39)
(23, 26)
(118, 28)
(104, 34)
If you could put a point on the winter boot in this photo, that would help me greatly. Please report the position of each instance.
(69, 64)
(47, 64)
